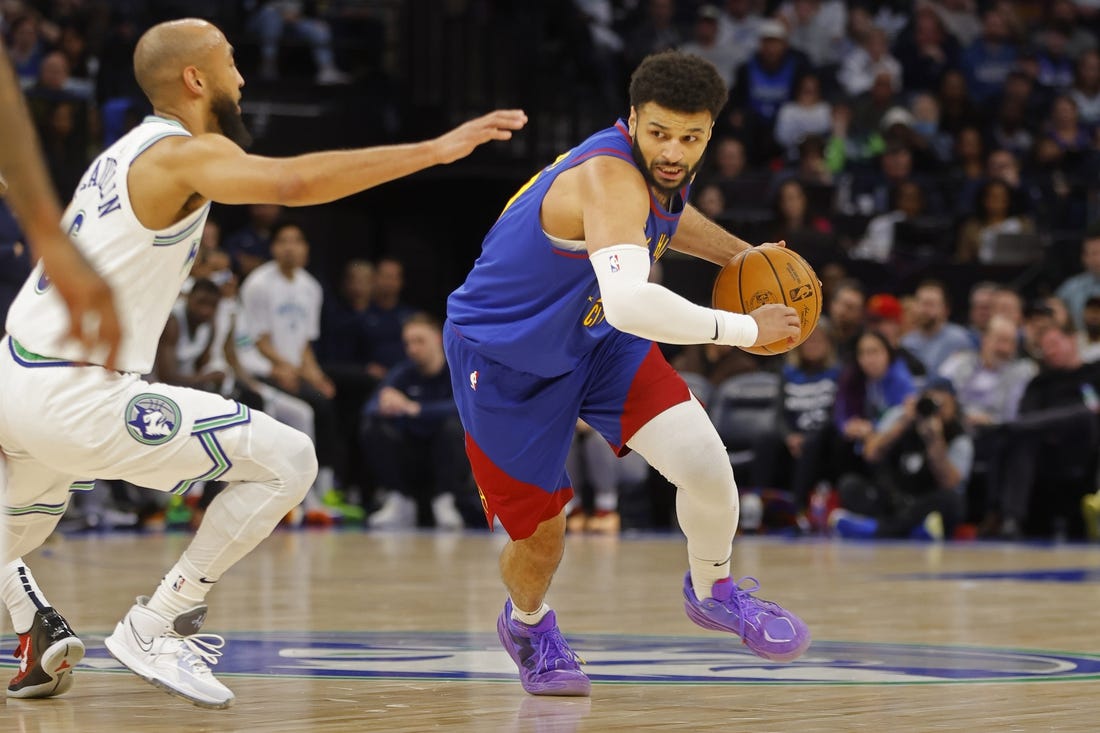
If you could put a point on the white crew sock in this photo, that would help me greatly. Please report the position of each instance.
(532, 618)
(181, 589)
(705, 573)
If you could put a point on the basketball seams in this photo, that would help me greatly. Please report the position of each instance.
(814, 283)
(740, 283)
(778, 280)
(779, 287)
(741, 291)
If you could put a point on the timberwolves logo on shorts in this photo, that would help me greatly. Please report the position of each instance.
(152, 419)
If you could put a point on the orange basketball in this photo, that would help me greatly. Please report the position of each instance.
(769, 274)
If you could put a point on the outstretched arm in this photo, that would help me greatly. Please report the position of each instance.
(92, 316)
(218, 169)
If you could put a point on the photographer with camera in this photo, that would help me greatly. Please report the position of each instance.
(920, 457)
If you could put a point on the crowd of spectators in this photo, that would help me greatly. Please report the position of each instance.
(885, 141)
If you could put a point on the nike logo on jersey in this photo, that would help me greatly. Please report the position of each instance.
(205, 580)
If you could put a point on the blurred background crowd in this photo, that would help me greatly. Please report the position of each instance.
(935, 160)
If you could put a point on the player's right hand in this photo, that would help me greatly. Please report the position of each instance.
(775, 322)
(461, 141)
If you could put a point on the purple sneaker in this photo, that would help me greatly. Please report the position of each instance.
(765, 628)
(547, 666)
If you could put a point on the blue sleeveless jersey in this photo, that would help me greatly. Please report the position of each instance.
(530, 304)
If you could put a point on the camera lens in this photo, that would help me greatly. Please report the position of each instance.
(926, 406)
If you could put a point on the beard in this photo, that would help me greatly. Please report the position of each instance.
(229, 120)
(651, 178)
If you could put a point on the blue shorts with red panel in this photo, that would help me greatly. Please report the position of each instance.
(519, 426)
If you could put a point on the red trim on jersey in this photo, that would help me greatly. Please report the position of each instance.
(566, 253)
(521, 506)
(656, 387)
(659, 211)
(615, 152)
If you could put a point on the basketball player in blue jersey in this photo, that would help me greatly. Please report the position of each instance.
(137, 217)
(557, 320)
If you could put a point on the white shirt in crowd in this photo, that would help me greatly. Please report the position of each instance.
(286, 310)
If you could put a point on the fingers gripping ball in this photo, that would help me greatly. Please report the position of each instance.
(769, 274)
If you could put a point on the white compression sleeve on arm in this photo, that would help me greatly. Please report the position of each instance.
(633, 304)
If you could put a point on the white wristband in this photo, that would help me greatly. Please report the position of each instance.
(736, 329)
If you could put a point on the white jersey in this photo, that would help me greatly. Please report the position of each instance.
(287, 310)
(145, 268)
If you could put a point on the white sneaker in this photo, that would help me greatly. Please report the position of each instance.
(398, 512)
(445, 513)
(170, 654)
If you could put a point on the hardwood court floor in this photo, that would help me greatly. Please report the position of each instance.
(342, 631)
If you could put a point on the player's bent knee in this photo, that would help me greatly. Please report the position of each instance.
(301, 471)
(700, 464)
(288, 454)
(707, 466)
(682, 444)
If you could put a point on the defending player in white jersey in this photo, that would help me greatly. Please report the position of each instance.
(92, 319)
(137, 217)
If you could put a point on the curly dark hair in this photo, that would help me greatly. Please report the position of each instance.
(678, 81)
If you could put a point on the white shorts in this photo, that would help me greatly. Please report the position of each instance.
(64, 425)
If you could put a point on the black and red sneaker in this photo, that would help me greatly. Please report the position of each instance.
(47, 654)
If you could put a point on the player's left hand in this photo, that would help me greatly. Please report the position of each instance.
(780, 243)
(461, 141)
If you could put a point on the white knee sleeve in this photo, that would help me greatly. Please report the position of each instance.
(277, 455)
(682, 444)
(274, 466)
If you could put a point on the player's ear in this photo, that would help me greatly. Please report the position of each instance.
(632, 122)
(192, 79)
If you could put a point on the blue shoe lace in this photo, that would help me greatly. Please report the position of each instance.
(552, 646)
